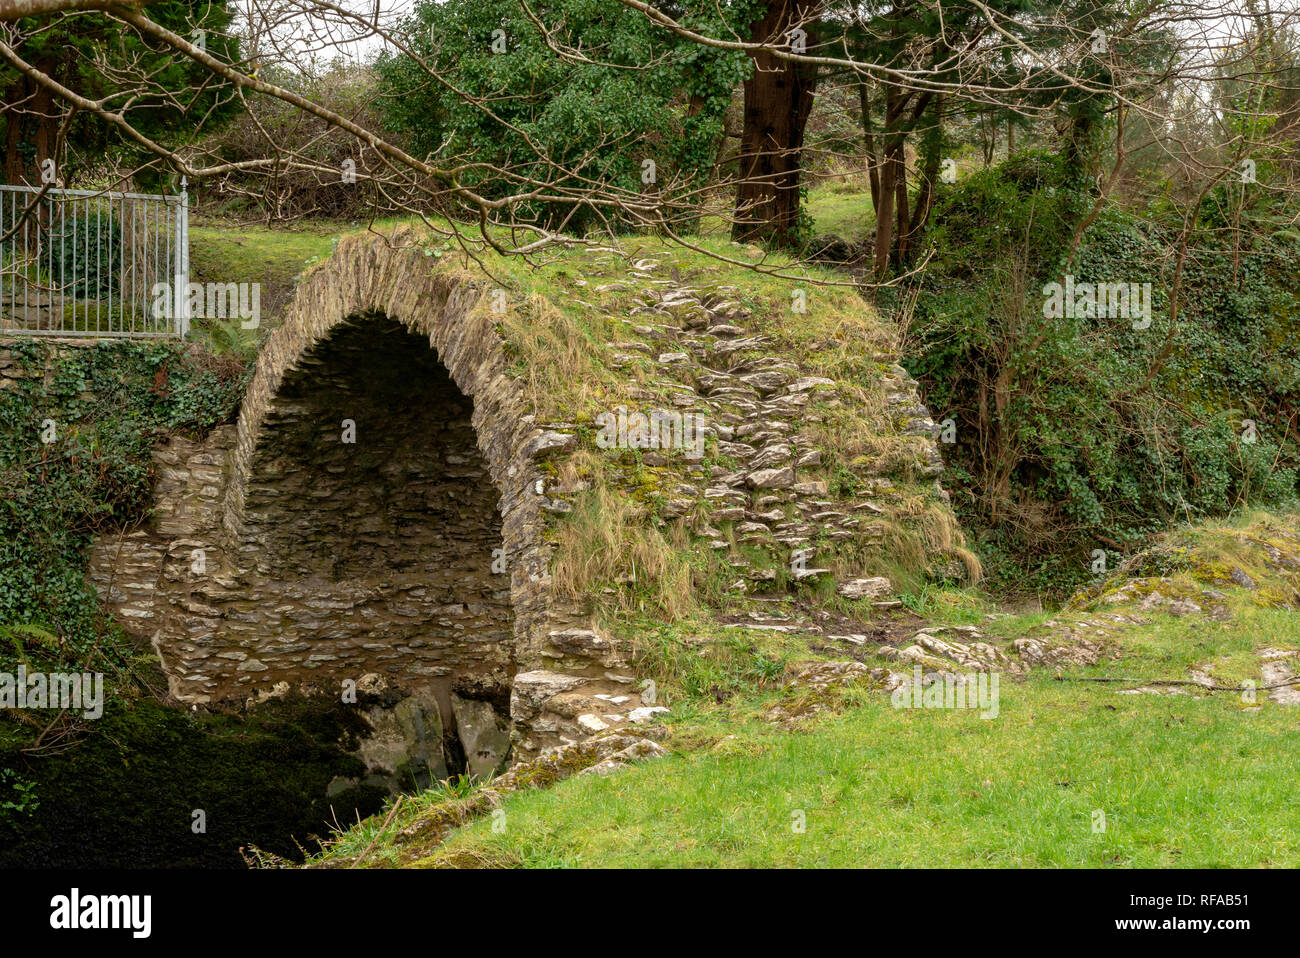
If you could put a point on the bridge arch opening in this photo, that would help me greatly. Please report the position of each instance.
(371, 537)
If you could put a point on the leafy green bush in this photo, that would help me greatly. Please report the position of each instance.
(597, 120)
(86, 254)
(1076, 433)
(103, 407)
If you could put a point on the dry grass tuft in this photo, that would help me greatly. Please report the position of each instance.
(606, 546)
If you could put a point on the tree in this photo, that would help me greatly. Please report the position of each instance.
(581, 94)
(99, 56)
(778, 101)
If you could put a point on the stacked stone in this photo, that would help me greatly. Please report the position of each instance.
(756, 403)
(266, 614)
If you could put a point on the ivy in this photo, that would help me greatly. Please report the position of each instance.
(1077, 434)
(102, 408)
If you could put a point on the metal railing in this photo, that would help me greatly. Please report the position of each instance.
(93, 263)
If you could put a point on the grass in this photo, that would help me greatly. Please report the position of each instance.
(226, 253)
(843, 209)
(1182, 780)
(1196, 779)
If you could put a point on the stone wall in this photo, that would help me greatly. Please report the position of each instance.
(374, 514)
(416, 557)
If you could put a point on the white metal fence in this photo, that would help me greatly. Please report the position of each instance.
(93, 263)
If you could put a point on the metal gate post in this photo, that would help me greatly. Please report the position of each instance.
(181, 279)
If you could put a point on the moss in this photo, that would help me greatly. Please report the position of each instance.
(124, 797)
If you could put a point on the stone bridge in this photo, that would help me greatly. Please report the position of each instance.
(372, 513)
(377, 514)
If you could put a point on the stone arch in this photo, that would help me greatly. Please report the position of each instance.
(370, 284)
(215, 631)
(285, 596)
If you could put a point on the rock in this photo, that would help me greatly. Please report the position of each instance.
(532, 689)
(1184, 607)
(638, 751)
(820, 677)
(592, 724)
(580, 641)
(766, 382)
(975, 656)
(872, 588)
(409, 732)
(816, 488)
(645, 713)
(772, 456)
(854, 639)
(483, 734)
(811, 458)
(1153, 601)
(1276, 670)
(372, 683)
(1060, 650)
(804, 383)
(1243, 580)
(771, 478)
(548, 441)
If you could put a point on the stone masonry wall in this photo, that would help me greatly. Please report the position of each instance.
(323, 561)
(326, 560)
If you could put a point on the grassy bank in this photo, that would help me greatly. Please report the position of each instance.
(1070, 772)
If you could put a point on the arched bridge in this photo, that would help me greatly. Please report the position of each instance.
(380, 506)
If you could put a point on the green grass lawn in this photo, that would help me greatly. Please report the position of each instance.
(1180, 780)
(841, 211)
(1190, 780)
(223, 253)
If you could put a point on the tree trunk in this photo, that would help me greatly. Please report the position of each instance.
(31, 120)
(929, 176)
(869, 138)
(893, 221)
(778, 100)
(889, 176)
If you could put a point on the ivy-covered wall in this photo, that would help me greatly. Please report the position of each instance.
(77, 425)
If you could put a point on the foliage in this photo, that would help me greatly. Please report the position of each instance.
(600, 119)
(88, 252)
(20, 800)
(292, 195)
(107, 405)
(86, 53)
(1075, 434)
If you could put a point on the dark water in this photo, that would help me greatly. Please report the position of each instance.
(127, 795)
